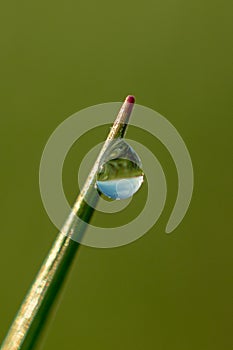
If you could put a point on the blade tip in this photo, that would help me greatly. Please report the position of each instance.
(130, 99)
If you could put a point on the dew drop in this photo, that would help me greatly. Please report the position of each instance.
(120, 173)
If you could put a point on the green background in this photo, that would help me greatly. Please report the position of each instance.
(163, 291)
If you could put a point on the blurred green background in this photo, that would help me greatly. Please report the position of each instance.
(163, 291)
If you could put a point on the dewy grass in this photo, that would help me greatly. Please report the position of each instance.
(34, 310)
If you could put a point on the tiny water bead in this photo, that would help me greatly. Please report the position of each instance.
(119, 179)
(120, 174)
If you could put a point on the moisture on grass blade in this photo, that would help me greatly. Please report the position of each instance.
(120, 174)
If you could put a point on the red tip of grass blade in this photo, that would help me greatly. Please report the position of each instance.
(130, 99)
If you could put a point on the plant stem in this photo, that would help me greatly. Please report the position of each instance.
(35, 308)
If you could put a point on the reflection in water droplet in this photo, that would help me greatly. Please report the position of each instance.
(120, 174)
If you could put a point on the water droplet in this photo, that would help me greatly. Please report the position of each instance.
(120, 173)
